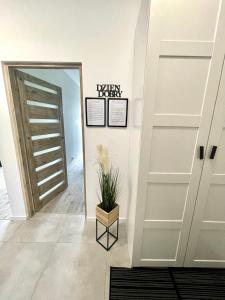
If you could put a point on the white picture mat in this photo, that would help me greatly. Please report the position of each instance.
(95, 112)
(117, 112)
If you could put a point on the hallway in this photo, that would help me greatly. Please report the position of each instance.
(55, 256)
(4, 200)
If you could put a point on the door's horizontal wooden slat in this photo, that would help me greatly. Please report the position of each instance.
(186, 48)
(169, 177)
(212, 225)
(218, 179)
(53, 194)
(50, 170)
(161, 120)
(47, 158)
(41, 96)
(44, 128)
(39, 145)
(163, 224)
(51, 183)
(42, 83)
(40, 87)
(37, 112)
(144, 262)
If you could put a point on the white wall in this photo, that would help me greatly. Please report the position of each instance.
(71, 107)
(97, 33)
(9, 158)
(140, 48)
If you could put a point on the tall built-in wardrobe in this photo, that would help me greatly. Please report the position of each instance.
(179, 217)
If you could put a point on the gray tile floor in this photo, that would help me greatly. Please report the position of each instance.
(55, 256)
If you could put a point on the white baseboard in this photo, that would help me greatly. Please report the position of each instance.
(18, 218)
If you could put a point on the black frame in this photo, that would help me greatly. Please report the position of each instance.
(108, 247)
(95, 98)
(117, 126)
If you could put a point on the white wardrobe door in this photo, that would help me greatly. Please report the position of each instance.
(182, 76)
(206, 247)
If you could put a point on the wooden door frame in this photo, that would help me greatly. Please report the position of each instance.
(12, 95)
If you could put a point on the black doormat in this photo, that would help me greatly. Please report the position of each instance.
(167, 283)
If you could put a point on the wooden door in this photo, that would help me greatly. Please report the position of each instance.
(184, 62)
(41, 113)
(206, 246)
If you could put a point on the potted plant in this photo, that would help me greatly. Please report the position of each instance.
(107, 211)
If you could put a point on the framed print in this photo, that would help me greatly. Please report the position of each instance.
(95, 112)
(117, 112)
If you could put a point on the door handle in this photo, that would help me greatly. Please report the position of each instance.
(201, 152)
(213, 152)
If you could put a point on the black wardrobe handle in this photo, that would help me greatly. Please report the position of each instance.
(213, 152)
(201, 152)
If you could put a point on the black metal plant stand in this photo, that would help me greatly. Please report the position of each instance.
(108, 233)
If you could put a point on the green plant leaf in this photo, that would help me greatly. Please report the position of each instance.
(108, 183)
